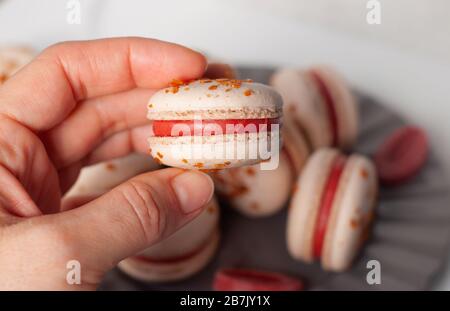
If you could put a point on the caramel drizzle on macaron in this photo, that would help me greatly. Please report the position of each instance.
(326, 204)
(329, 104)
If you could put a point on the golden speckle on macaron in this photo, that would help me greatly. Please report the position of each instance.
(248, 92)
(213, 87)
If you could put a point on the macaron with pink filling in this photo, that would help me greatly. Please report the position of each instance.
(321, 105)
(332, 209)
(214, 123)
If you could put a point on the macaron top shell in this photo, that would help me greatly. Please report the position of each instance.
(305, 202)
(189, 238)
(351, 214)
(215, 99)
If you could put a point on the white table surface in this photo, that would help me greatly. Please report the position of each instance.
(412, 83)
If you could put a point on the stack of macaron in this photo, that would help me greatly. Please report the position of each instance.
(182, 254)
(321, 104)
(13, 58)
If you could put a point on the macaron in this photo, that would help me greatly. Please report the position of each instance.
(214, 123)
(321, 104)
(13, 58)
(182, 254)
(402, 155)
(99, 178)
(331, 211)
(259, 193)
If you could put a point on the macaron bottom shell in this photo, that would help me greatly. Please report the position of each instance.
(332, 209)
(170, 271)
(214, 152)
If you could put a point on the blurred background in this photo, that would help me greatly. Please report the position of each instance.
(404, 61)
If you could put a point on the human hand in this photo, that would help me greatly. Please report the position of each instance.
(76, 104)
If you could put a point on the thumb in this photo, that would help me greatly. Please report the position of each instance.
(135, 215)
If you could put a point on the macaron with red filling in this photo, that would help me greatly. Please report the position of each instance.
(332, 209)
(321, 104)
(214, 123)
(182, 254)
(259, 193)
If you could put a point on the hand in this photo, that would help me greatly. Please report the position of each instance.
(76, 104)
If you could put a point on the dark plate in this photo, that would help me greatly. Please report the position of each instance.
(410, 236)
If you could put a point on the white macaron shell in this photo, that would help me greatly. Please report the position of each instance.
(305, 204)
(351, 213)
(304, 105)
(190, 237)
(266, 191)
(214, 152)
(250, 100)
(102, 177)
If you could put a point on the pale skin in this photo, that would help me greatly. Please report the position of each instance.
(76, 104)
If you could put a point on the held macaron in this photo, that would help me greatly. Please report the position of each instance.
(214, 123)
(332, 209)
(182, 254)
(258, 193)
(321, 104)
(12, 59)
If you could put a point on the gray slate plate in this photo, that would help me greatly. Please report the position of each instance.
(410, 236)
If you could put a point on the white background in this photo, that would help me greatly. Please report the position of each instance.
(405, 61)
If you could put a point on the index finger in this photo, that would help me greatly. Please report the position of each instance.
(43, 93)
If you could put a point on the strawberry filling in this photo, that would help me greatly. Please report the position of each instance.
(330, 106)
(326, 204)
(175, 128)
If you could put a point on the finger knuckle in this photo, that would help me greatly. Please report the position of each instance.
(139, 198)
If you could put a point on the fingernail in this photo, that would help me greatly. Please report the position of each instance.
(194, 189)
